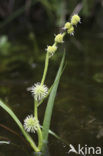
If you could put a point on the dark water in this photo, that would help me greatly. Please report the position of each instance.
(78, 112)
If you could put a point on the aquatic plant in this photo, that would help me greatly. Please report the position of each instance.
(40, 92)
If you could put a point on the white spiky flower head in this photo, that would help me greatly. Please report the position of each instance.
(39, 91)
(31, 124)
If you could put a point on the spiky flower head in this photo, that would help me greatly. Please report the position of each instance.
(75, 20)
(67, 25)
(71, 30)
(39, 91)
(51, 49)
(31, 124)
(59, 38)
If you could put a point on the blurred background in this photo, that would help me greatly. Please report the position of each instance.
(26, 28)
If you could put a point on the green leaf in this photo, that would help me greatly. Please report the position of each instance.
(27, 136)
(50, 104)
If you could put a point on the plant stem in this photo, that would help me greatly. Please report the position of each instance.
(15, 118)
(35, 109)
(46, 64)
(45, 68)
(39, 132)
(40, 138)
(36, 149)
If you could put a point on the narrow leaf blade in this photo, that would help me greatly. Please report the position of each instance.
(11, 113)
(50, 104)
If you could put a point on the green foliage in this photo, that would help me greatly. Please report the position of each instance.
(40, 91)
(14, 117)
(50, 104)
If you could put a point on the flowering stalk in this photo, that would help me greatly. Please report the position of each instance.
(40, 138)
(39, 90)
(35, 109)
(59, 39)
(50, 52)
(45, 68)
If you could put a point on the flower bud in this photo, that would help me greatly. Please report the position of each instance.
(59, 38)
(67, 25)
(70, 30)
(75, 20)
(51, 49)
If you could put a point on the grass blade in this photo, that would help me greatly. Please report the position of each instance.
(50, 104)
(27, 136)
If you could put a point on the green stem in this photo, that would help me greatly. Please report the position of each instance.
(45, 68)
(64, 33)
(26, 135)
(36, 149)
(40, 136)
(39, 132)
(35, 109)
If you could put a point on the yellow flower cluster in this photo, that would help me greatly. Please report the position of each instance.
(59, 38)
(51, 49)
(69, 28)
(75, 20)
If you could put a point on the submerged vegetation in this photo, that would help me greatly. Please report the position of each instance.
(40, 92)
